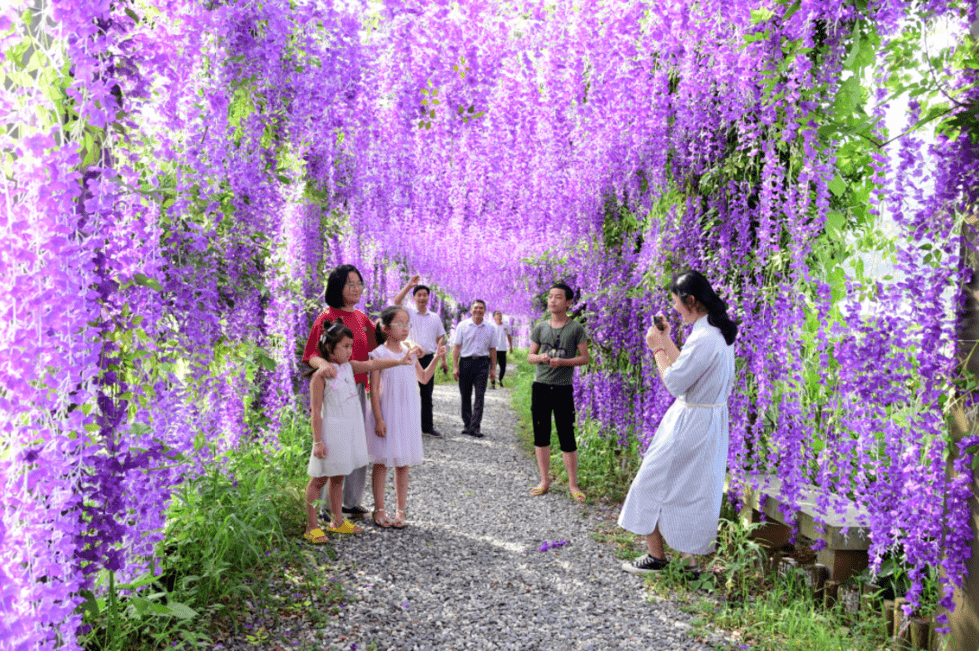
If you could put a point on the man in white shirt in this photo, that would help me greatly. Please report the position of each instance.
(504, 341)
(473, 357)
(427, 332)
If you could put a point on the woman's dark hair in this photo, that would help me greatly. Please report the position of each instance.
(693, 283)
(387, 316)
(333, 333)
(336, 282)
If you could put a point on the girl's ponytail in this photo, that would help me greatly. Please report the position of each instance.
(693, 283)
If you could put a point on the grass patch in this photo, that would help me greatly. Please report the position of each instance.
(232, 535)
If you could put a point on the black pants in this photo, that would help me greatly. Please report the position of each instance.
(426, 393)
(547, 398)
(473, 374)
(501, 358)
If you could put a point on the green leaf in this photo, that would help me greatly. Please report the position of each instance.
(90, 606)
(837, 186)
(265, 361)
(132, 14)
(181, 611)
(835, 221)
(761, 15)
(145, 281)
(794, 7)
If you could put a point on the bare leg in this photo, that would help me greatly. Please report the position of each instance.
(544, 465)
(378, 479)
(401, 486)
(336, 500)
(313, 494)
(654, 543)
(571, 465)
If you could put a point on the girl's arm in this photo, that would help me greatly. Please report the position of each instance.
(378, 364)
(316, 387)
(379, 427)
(425, 374)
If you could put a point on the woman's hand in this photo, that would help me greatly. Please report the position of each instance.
(326, 372)
(655, 338)
(407, 360)
(380, 428)
(440, 354)
(319, 450)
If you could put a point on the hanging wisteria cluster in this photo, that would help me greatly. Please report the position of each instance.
(177, 175)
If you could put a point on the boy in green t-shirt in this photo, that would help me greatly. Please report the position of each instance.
(556, 346)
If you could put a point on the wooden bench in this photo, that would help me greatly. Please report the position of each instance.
(845, 553)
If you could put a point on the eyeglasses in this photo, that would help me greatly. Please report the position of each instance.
(354, 285)
(406, 326)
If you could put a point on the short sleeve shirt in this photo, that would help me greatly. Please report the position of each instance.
(475, 340)
(502, 343)
(557, 342)
(358, 322)
(425, 329)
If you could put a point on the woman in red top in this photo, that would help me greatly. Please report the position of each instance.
(344, 288)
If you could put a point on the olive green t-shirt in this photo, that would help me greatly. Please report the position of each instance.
(557, 342)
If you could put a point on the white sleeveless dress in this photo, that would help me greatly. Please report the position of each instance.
(401, 408)
(343, 428)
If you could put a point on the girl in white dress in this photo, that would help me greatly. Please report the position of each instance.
(339, 441)
(394, 421)
(677, 492)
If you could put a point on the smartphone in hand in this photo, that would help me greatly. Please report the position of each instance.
(658, 322)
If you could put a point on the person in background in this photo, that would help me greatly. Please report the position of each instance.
(473, 357)
(504, 341)
(428, 333)
(556, 346)
(676, 495)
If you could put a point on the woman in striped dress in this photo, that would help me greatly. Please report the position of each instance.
(676, 495)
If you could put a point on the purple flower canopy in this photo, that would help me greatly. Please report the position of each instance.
(176, 183)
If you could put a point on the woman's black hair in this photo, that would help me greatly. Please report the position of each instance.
(693, 283)
(387, 316)
(333, 333)
(336, 282)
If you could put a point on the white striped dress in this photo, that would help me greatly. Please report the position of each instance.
(680, 483)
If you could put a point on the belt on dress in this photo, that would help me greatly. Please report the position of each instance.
(693, 404)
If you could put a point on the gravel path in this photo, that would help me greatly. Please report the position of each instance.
(467, 574)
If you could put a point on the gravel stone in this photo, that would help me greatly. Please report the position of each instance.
(466, 574)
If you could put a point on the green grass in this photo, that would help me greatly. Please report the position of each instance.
(232, 534)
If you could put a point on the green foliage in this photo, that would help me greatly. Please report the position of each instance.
(759, 610)
(231, 534)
